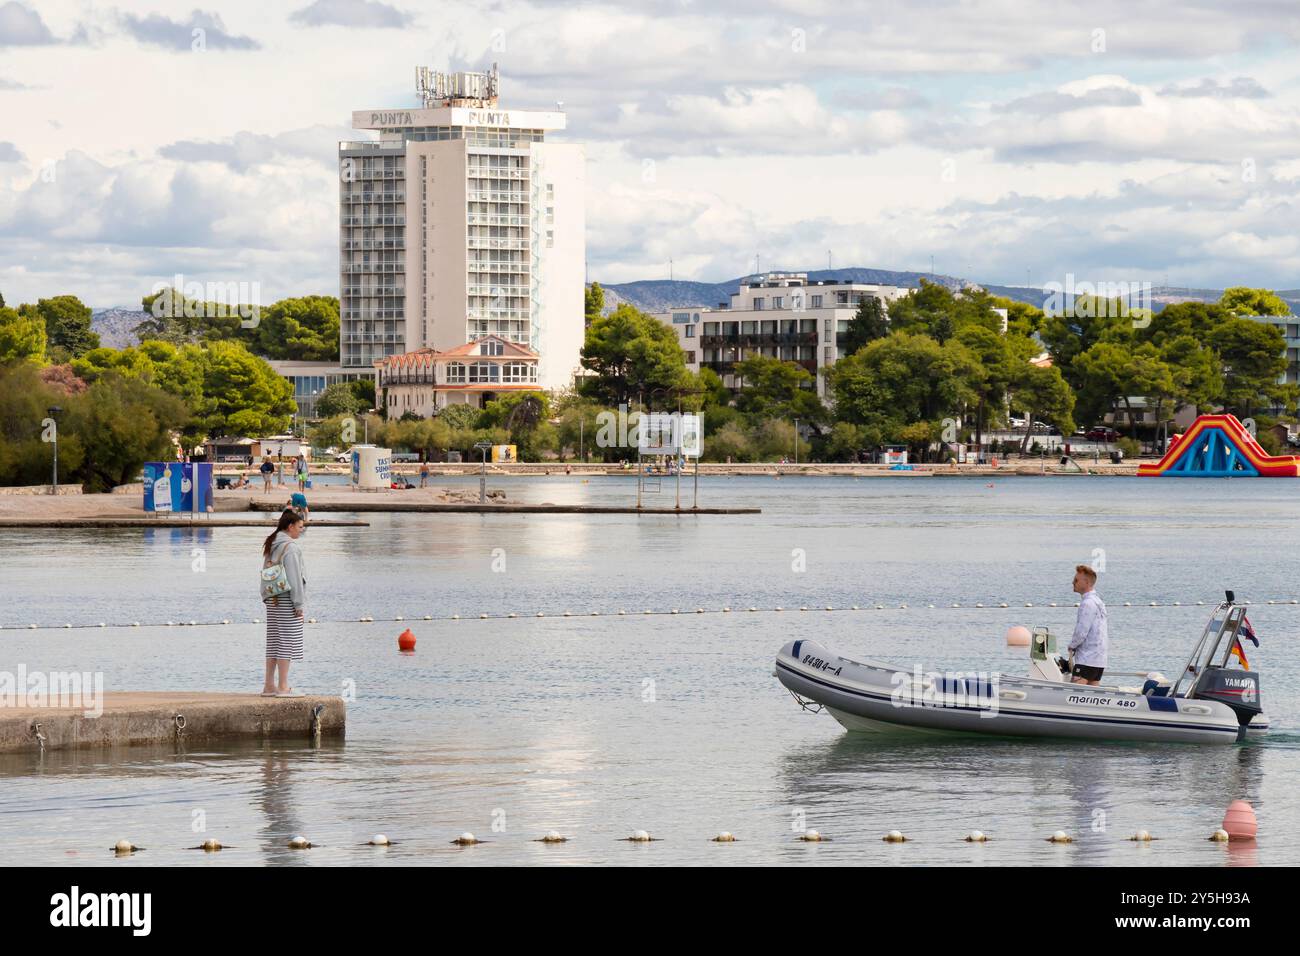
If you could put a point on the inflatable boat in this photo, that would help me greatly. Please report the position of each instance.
(1209, 702)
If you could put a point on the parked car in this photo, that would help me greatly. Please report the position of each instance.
(1102, 433)
(343, 457)
(1018, 422)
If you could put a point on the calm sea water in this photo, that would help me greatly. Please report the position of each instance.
(598, 726)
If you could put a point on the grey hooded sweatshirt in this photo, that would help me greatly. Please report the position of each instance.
(286, 551)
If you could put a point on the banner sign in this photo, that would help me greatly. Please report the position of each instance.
(181, 487)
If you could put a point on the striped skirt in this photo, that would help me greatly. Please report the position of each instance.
(283, 631)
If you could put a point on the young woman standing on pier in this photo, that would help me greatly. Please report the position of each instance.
(285, 596)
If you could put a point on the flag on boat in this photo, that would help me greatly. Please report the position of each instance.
(1247, 632)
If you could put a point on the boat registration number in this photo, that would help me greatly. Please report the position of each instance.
(821, 665)
(1101, 701)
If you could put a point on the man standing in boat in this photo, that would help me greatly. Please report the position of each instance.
(1091, 639)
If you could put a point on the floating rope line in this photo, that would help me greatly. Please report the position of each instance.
(648, 612)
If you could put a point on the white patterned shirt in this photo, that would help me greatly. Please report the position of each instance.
(1091, 638)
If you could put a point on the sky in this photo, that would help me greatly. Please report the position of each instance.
(1016, 141)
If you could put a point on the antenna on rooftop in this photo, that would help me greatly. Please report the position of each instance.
(475, 90)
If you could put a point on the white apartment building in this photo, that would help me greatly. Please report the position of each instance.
(460, 222)
(778, 314)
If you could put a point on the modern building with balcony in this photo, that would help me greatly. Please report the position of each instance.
(778, 314)
(459, 222)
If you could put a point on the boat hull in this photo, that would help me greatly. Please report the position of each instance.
(871, 697)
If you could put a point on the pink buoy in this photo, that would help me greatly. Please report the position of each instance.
(1239, 821)
(1018, 636)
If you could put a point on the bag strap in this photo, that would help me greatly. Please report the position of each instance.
(269, 560)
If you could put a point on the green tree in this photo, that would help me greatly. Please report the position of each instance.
(1045, 396)
(122, 423)
(460, 416)
(630, 355)
(1072, 329)
(869, 322)
(242, 395)
(1242, 300)
(1254, 359)
(339, 399)
(593, 303)
(935, 310)
(67, 323)
(22, 337)
(903, 379)
(300, 329)
(777, 389)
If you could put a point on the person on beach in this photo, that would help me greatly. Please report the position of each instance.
(302, 473)
(267, 469)
(279, 467)
(298, 502)
(1091, 640)
(284, 612)
(424, 473)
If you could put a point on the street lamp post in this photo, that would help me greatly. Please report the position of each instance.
(54, 415)
(796, 441)
(483, 447)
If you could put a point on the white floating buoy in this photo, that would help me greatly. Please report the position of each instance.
(399, 618)
(210, 845)
(699, 610)
(976, 836)
(540, 614)
(894, 836)
(67, 625)
(137, 623)
(380, 840)
(979, 604)
(482, 617)
(33, 626)
(299, 843)
(1060, 836)
(902, 607)
(512, 614)
(622, 612)
(1003, 604)
(466, 839)
(227, 621)
(455, 617)
(727, 610)
(1142, 836)
(804, 608)
(777, 608)
(724, 837)
(553, 836)
(102, 624)
(753, 609)
(1219, 836)
(811, 836)
(123, 847)
(429, 617)
(675, 611)
(640, 836)
(568, 614)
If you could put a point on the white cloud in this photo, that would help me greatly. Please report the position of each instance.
(351, 13)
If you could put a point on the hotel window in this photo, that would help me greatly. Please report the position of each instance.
(769, 326)
(550, 239)
(455, 373)
(748, 328)
(816, 302)
(484, 372)
(710, 328)
(690, 358)
(690, 332)
(491, 347)
(778, 302)
(758, 304)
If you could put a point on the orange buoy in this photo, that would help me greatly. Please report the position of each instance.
(406, 641)
(1239, 821)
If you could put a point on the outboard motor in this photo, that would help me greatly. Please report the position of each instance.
(1239, 689)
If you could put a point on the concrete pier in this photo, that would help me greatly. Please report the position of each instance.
(151, 717)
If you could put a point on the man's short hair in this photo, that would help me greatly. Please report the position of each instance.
(1087, 572)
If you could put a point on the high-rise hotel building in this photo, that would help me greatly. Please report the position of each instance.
(460, 222)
